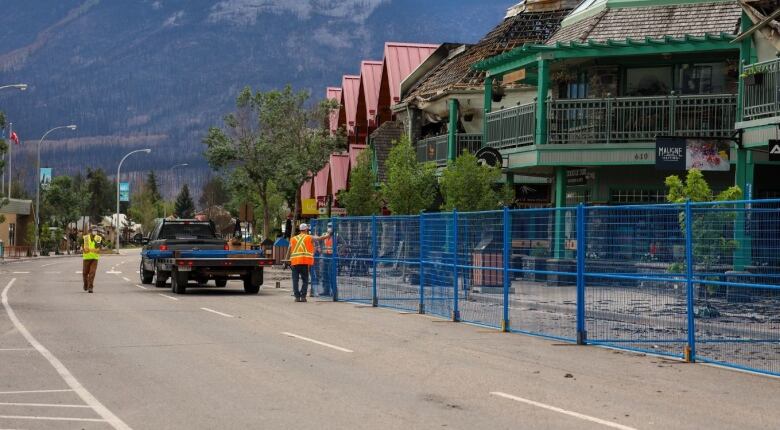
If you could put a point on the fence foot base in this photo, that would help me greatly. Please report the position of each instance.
(278, 284)
(505, 326)
(688, 355)
(375, 302)
(455, 316)
(582, 338)
(421, 309)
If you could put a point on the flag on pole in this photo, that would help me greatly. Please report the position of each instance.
(14, 137)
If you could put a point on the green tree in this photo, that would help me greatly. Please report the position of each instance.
(144, 208)
(362, 197)
(151, 187)
(102, 195)
(273, 137)
(410, 186)
(467, 186)
(63, 202)
(215, 193)
(184, 208)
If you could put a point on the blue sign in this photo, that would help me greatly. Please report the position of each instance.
(124, 191)
(45, 176)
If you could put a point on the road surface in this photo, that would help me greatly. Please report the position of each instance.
(142, 358)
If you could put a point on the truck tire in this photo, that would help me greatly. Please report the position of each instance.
(146, 275)
(253, 281)
(179, 281)
(220, 282)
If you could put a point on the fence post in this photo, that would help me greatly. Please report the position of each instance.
(374, 299)
(582, 333)
(690, 349)
(456, 276)
(334, 265)
(507, 283)
(421, 305)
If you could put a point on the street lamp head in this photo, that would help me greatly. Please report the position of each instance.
(147, 150)
(22, 87)
(71, 127)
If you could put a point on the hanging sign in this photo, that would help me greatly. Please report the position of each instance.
(45, 177)
(309, 207)
(669, 153)
(774, 150)
(680, 153)
(490, 157)
(124, 191)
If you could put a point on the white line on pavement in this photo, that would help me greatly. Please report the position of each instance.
(24, 417)
(20, 273)
(63, 371)
(167, 296)
(217, 312)
(126, 279)
(79, 272)
(52, 273)
(113, 272)
(337, 348)
(16, 349)
(563, 411)
(49, 264)
(35, 391)
(142, 287)
(44, 405)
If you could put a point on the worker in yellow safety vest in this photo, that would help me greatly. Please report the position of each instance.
(301, 260)
(90, 249)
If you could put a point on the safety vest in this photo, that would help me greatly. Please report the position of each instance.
(327, 245)
(90, 247)
(302, 250)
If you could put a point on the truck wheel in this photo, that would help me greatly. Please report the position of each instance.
(179, 282)
(253, 281)
(220, 282)
(146, 275)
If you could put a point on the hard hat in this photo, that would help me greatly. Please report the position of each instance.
(303, 227)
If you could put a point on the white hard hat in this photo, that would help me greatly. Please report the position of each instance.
(303, 226)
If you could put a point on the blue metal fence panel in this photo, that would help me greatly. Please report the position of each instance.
(437, 259)
(355, 265)
(398, 262)
(543, 291)
(635, 294)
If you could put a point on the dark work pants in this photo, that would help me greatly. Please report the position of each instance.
(326, 281)
(300, 271)
(88, 274)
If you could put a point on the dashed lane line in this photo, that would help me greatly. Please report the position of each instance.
(142, 287)
(217, 312)
(167, 296)
(44, 405)
(108, 416)
(35, 391)
(25, 417)
(126, 279)
(327, 345)
(563, 411)
(16, 349)
(21, 273)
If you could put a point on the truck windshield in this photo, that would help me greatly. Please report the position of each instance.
(186, 231)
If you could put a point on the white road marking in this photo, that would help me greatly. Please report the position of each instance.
(20, 273)
(49, 264)
(63, 371)
(142, 287)
(79, 272)
(113, 272)
(16, 349)
(167, 296)
(126, 279)
(44, 405)
(563, 411)
(24, 417)
(35, 391)
(52, 273)
(217, 312)
(337, 348)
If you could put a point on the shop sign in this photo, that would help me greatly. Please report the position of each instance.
(309, 207)
(333, 211)
(578, 176)
(705, 154)
(490, 157)
(774, 150)
(669, 153)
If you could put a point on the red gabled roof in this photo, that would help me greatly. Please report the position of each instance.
(339, 170)
(334, 93)
(400, 61)
(354, 152)
(350, 86)
(368, 95)
(321, 182)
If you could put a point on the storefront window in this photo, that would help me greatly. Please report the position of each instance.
(626, 196)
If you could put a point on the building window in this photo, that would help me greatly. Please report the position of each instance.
(12, 234)
(626, 196)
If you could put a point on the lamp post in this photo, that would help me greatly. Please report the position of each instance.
(165, 209)
(118, 170)
(20, 87)
(38, 183)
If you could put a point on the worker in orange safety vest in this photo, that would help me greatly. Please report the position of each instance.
(302, 259)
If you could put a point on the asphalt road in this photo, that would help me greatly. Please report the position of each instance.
(142, 358)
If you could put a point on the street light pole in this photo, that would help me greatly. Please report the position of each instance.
(38, 184)
(118, 170)
(165, 209)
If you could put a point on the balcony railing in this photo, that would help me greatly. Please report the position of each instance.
(435, 148)
(640, 119)
(762, 90)
(512, 127)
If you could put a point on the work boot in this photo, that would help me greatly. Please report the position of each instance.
(303, 299)
(297, 299)
(85, 288)
(90, 291)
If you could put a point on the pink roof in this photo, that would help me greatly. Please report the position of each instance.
(306, 190)
(321, 182)
(354, 153)
(334, 93)
(339, 170)
(370, 79)
(350, 86)
(401, 59)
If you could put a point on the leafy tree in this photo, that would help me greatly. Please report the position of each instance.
(362, 197)
(185, 207)
(273, 137)
(144, 208)
(410, 186)
(63, 202)
(215, 193)
(101, 193)
(467, 185)
(241, 190)
(152, 189)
